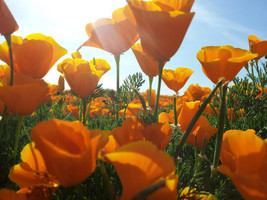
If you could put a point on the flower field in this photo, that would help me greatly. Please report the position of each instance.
(93, 143)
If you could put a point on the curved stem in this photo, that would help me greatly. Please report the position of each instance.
(194, 120)
(160, 66)
(220, 131)
(150, 89)
(21, 117)
(8, 39)
(117, 59)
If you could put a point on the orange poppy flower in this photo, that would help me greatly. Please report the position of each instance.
(243, 157)
(148, 65)
(82, 76)
(161, 25)
(134, 129)
(139, 165)
(34, 55)
(201, 130)
(114, 35)
(32, 171)
(10, 194)
(257, 46)
(166, 117)
(69, 149)
(223, 61)
(25, 94)
(176, 79)
(37, 193)
(8, 24)
(195, 92)
(4, 74)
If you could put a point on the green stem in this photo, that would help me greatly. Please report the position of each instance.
(84, 110)
(174, 109)
(220, 131)
(195, 118)
(160, 67)
(110, 187)
(150, 89)
(21, 117)
(117, 59)
(8, 39)
(149, 190)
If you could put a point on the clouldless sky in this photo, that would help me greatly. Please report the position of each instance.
(216, 22)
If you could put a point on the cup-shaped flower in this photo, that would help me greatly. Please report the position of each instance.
(243, 157)
(223, 61)
(114, 35)
(176, 79)
(32, 171)
(25, 94)
(197, 93)
(34, 55)
(8, 24)
(82, 76)
(134, 129)
(257, 46)
(201, 130)
(69, 149)
(161, 25)
(139, 165)
(147, 63)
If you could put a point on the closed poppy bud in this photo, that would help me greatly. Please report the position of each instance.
(223, 61)
(243, 157)
(69, 149)
(25, 94)
(61, 83)
(161, 25)
(257, 46)
(176, 79)
(34, 55)
(139, 165)
(147, 63)
(8, 24)
(114, 35)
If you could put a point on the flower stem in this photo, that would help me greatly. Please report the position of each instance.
(150, 89)
(21, 117)
(174, 110)
(160, 67)
(84, 110)
(8, 39)
(220, 131)
(195, 118)
(149, 190)
(108, 184)
(117, 59)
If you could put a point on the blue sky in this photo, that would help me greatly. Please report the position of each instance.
(216, 22)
